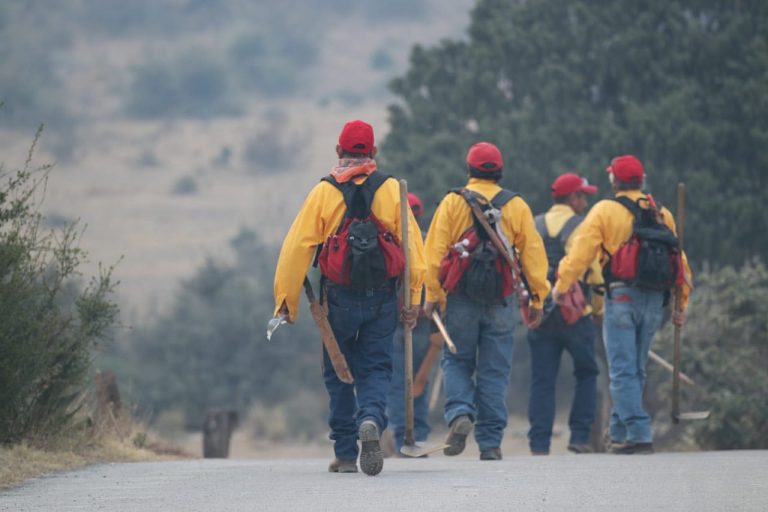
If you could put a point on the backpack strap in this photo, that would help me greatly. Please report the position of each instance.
(359, 198)
(541, 225)
(503, 197)
(498, 201)
(565, 232)
(629, 204)
(568, 228)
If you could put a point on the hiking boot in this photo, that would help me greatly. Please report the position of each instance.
(342, 466)
(491, 454)
(371, 454)
(457, 435)
(579, 448)
(630, 448)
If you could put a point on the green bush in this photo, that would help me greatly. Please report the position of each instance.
(48, 324)
(725, 349)
(209, 350)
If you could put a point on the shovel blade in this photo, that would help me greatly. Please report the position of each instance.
(691, 416)
(419, 449)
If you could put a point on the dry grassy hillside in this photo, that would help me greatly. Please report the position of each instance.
(165, 193)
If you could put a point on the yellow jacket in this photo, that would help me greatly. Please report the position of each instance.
(608, 225)
(555, 218)
(453, 217)
(319, 218)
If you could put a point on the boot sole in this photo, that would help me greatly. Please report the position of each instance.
(457, 438)
(371, 454)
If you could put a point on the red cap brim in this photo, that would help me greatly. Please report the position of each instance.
(589, 189)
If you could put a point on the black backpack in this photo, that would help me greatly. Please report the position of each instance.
(555, 246)
(650, 259)
(362, 254)
(484, 279)
(555, 249)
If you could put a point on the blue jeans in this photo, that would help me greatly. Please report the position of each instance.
(476, 377)
(632, 317)
(396, 399)
(364, 323)
(547, 344)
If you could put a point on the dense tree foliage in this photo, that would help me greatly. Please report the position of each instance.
(561, 87)
(48, 323)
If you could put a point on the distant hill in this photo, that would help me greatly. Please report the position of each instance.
(175, 122)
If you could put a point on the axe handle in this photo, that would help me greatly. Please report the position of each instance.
(422, 376)
(678, 307)
(408, 438)
(338, 360)
(656, 358)
(320, 315)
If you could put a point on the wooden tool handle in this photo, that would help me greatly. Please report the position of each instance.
(678, 306)
(338, 360)
(407, 334)
(441, 327)
(422, 375)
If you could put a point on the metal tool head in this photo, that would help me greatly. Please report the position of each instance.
(690, 416)
(273, 324)
(416, 450)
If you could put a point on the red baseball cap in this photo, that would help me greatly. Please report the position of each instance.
(569, 183)
(415, 203)
(626, 168)
(356, 137)
(485, 157)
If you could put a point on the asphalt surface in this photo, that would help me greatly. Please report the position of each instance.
(716, 481)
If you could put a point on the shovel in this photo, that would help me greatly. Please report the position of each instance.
(677, 416)
(409, 448)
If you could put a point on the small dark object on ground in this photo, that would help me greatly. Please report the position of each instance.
(217, 432)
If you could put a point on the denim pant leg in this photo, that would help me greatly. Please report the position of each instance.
(343, 404)
(546, 349)
(462, 320)
(421, 403)
(651, 316)
(627, 350)
(373, 357)
(580, 343)
(494, 362)
(396, 399)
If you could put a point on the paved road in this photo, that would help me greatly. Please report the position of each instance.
(715, 481)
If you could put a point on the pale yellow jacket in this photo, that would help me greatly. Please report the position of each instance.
(555, 218)
(319, 218)
(453, 217)
(607, 226)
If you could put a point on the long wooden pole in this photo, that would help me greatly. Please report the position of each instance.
(678, 308)
(407, 334)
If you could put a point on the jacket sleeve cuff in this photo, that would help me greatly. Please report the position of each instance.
(433, 296)
(561, 286)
